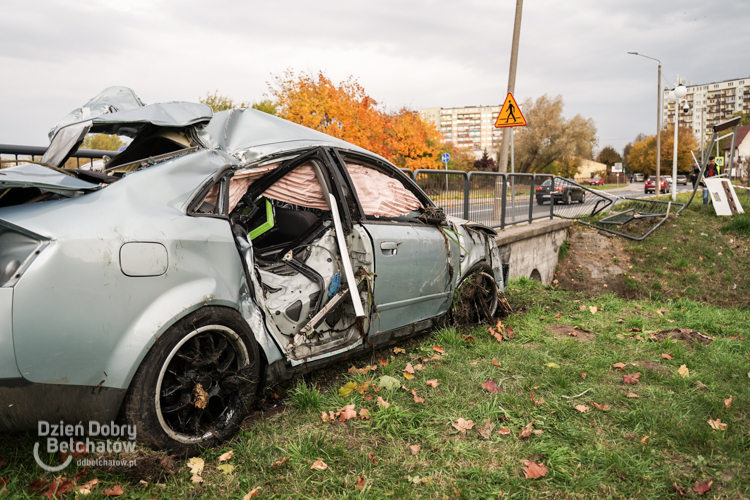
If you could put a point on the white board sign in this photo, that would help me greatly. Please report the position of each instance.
(617, 167)
(723, 195)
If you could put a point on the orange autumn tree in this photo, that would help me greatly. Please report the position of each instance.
(346, 111)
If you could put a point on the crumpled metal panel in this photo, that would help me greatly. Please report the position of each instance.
(109, 100)
(33, 175)
(8, 367)
(167, 114)
(476, 245)
(77, 319)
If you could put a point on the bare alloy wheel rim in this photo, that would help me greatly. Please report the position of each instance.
(199, 382)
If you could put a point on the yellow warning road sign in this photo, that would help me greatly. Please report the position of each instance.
(510, 115)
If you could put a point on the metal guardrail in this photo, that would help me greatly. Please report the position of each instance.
(22, 154)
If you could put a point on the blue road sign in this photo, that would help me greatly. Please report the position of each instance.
(446, 157)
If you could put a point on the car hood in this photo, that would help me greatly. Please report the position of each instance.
(39, 176)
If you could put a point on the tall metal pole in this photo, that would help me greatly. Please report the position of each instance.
(674, 150)
(502, 165)
(657, 186)
(503, 159)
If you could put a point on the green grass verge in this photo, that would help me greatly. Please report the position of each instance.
(597, 454)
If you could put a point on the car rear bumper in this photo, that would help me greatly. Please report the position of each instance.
(24, 404)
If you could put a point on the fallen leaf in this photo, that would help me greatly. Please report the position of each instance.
(347, 412)
(526, 431)
(468, 338)
(319, 465)
(631, 378)
(348, 389)
(281, 462)
(414, 449)
(582, 408)
(684, 371)
(604, 407)
(409, 368)
(196, 465)
(538, 432)
(115, 491)
(666, 356)
(226, 469)
(633, 395)
(226, 456)
(552, 365)
(398, 350)
(383, 403)
(433, 383)
(486, 430)
(489, 385)
(417, 399)
(583, 375)
(408, 375)
(644, 439)
(558, 316)
(196, 479)
(84, 489)
(702, 487)
(620, 321)
(463, 425)
(533, 470)
(618, 366)
(252, 494)
(593, 309)
(438, 349)
(361, 482)
(435, 357)
(728, 402)
(388, 382)
(419, 367)
(327, 417)
(717, 425)
(497, 336)
(581, 308)
(503, 431)
(496, 363)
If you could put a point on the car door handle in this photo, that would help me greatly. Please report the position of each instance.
(389, 247)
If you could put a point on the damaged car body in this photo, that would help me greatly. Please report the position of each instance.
(217, 254)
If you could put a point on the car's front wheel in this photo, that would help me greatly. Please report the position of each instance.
(196, 384)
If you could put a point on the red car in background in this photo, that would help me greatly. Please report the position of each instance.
(596, 181)
(650, 185)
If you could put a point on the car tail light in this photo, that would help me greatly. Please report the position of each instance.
(559, 188)
(18, 248)
(539, 189)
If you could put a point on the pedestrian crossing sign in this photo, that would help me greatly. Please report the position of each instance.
(510, 115)
(719, 161)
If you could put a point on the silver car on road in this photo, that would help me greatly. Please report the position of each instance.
(217, 254)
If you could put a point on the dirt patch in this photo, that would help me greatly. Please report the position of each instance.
(652, 365)
(684, 335)
(595, 263)
(570, 332)
(150, 467)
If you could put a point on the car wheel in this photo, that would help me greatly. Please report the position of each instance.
(196, 384)
(539, 201)
(567, 198)
(583, 197)
(477, 297)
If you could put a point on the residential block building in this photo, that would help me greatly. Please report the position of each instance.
(710, 103)
(469, 127)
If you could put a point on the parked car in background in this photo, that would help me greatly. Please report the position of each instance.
(217, 254)
(650, 185)
(638, 177)
(596, 181)
(682, 179)
(562, 192)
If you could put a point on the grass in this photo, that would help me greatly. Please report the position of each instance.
(696, 255)
(596, 454)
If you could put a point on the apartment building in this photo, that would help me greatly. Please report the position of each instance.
(710, 104)
(469, 127)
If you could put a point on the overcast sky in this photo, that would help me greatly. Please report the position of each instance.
(54, 56)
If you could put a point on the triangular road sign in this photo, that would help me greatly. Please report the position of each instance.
(510, 115)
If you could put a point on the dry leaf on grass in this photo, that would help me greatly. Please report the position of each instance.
(419, 367)
(319, 465)
(347, 412)
(558, 316)
(409, 369)
(728, 402)
(533, 470)
(226, 456)
(84, 489)
(503, 431)
(433, 383)
(644, 439)
(633, 395)
(281, 462)
(526, 431)
(583, 375)
(495, 334)
(115, 491)
(468, 338)
(414, 449)
(666, 356)
(382, 362)
(226, 469)
(717, 425)
(618, 366)
(489, 385)
(361, 482)
(582, 308)
(398, 350)
(604, 407)
(383, 403)
(582, 408)
(496, 363)
(438, 349)
(486, 430)
(593, 309)
(252, 494)
(702, 487)
(408, 376)
(684, 371)
(463, 425)
(631, 378)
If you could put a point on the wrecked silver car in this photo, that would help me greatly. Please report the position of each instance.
(217, 254)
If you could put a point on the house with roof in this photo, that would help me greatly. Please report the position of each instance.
(741, 151)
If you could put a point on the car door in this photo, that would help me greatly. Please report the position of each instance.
(415, 261)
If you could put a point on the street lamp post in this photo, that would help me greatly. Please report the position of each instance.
(675, 96)
(658, 118)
